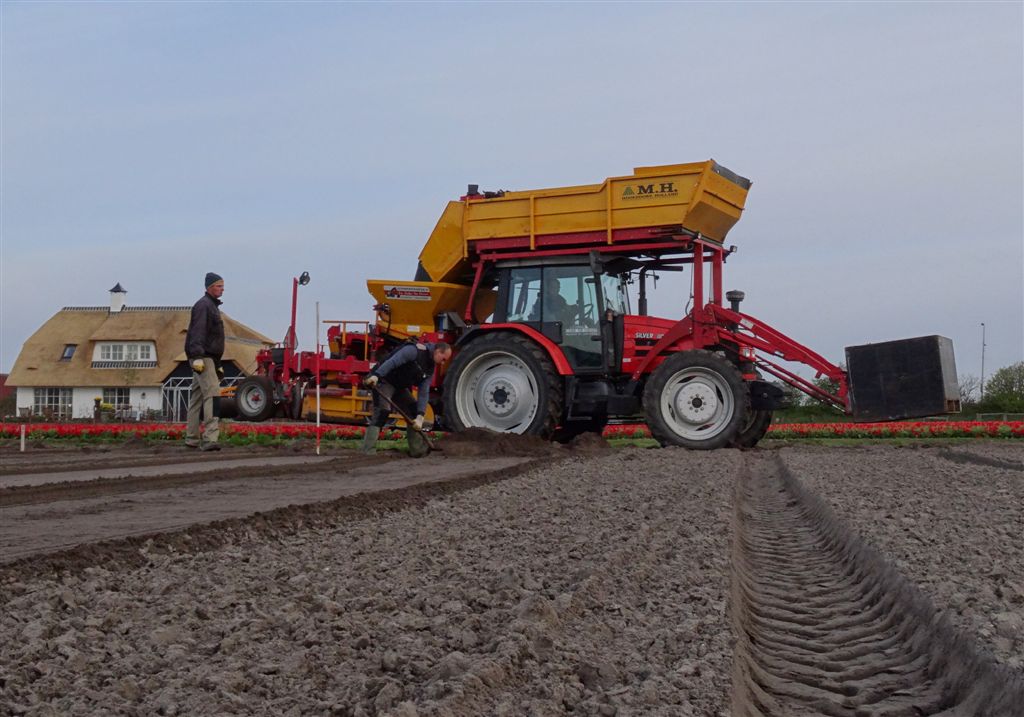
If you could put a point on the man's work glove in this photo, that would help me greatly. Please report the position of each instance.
(220, 371)
(418, 422)
(372, 380)
(198, 365)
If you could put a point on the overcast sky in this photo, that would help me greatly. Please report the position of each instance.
(148, 143)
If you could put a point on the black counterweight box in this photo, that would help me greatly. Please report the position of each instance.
(909, 378)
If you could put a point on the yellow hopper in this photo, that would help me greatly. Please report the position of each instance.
(701, 197)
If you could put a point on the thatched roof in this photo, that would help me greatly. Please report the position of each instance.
(40, 364)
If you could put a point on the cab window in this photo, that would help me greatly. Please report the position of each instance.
(523, 294)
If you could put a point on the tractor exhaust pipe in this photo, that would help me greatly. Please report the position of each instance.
(734, 298)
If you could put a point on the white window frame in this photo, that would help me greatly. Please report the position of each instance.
(113, 394)
(125, 352)
(57, 400)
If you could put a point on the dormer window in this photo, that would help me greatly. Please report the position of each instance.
(69, 351)
(134, 354)
(111, 352)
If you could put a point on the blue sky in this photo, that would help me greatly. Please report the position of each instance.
(149, 143)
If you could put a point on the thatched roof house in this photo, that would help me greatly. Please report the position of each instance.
(117, 353)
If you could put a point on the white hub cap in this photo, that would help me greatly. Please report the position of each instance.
(697, 403)
(500, 396)
(498, 391)
(252, 398)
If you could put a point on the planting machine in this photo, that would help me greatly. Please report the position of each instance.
(535, 290)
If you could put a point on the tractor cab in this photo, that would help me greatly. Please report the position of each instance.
(574, 305)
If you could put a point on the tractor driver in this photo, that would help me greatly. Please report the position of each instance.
(556, 308)
(409, 366)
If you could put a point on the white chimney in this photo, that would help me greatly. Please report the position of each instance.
(117, 298)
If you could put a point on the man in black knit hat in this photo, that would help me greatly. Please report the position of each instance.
(204, 347)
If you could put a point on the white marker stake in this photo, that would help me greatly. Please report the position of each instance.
(318, 352)
(22, 437)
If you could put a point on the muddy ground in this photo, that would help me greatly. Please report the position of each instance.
(593, 582)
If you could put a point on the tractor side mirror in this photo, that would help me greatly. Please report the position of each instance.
(304, 278)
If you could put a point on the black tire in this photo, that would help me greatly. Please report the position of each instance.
(565, 433)
(755, 425)
(298, 395)
(228, 407)
(254, 398)
(526, 364)
(685, 387)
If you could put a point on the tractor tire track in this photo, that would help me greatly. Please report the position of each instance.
(826, 625)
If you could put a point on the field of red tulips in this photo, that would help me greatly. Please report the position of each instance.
(243, 433)
(896, 429)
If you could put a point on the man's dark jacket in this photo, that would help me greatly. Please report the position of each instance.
(408, 366)
(205, 335)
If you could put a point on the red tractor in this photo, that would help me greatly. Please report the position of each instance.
(533, 289)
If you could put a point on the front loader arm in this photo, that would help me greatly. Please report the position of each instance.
(748, 331)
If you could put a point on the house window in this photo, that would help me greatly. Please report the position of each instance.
(117, 397)
(112, 352)
(52, 402)
(109, 353)
(69, 351)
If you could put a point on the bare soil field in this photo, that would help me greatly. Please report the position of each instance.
(951, 519)
(496, 580)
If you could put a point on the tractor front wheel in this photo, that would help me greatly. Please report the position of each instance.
(696, 399)
(503, 382)
(255, 398)
(755, 426)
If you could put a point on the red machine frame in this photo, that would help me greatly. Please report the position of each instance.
(709, 324)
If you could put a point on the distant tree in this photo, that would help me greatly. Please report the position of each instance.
(793, 396)
(826, 384)
(1005, 390)
(970, 389)
(8, 405)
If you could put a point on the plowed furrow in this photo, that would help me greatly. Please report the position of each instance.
(826, 625)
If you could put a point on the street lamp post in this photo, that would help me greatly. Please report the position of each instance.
(289, 338)
(983, 360)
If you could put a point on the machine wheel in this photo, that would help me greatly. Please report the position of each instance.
(255, 398)
(755, 425)
(564, 434)
(696, 399)
(298, 395)
(228, 407)
(505, 383)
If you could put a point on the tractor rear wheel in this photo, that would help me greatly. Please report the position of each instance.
(696, 399)
(255, 398)
(503, 382)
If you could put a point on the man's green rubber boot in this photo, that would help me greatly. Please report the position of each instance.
(370, 440)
